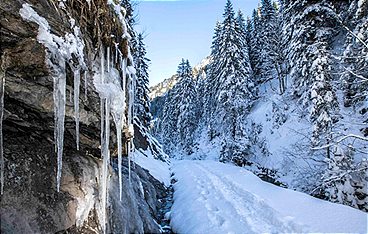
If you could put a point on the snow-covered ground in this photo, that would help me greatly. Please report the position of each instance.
(212, 197)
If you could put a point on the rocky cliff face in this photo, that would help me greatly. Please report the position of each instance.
(30, 202)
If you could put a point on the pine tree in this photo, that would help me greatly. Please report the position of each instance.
(142, 101)
(345, 182)
(255, 47)
(248, 34)
(179, 120)
(355, 56)
(324, 101)
(187, 121)
(235, 88)
(211, 83)
(310, 34)
(167, 126)
(268, 36)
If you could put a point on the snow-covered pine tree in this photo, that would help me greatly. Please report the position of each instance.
(235, 87)
(248, 34)
(311, 26)
(355, 57)
(212, 83)
(255, 47)
(278, 46)
(324, 101)
(345, 182)
(268, 36)
(167, 126)
(142, 101)
(187, 122)
(310, 59)
(179, 120)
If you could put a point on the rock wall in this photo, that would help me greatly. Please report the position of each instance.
(30, 202)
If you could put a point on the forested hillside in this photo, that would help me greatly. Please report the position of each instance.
(285, 95)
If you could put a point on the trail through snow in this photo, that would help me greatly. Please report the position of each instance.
(212, 197)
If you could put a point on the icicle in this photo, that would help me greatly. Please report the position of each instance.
(120, 161)
(85, 86)
(2, 88)
(102, 54)
(59, 112)
(133, 158)
(103, 147)
(108, 59)
(129, 160)
(130, 120)
(132, 113)
(102, 101)
(107, 126)
(124, 63)
(116, 52)
(70, 96)
(106, 161)
(76, 104)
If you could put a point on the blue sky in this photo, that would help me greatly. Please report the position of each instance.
(180, 29)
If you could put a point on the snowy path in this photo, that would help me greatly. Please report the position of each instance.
(211, 197)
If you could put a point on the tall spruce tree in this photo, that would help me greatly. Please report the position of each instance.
(235, 88)
(179, 119)
(142, 101)
(355, 57)
(187, 121)
(167, 126)
(310, 34)
(212, 81)
(268, 36)
(255, 47)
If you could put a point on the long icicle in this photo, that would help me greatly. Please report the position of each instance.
(103, 145)
(85, 85)
(76, 103)
(59, 95)
(106, 158)
(108, 59)
(119, 125)
(130, 114)
(116, 52)
(120, 161)
(132, 117)
(2, 89)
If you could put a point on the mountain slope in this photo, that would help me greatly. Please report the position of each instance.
(163, 87)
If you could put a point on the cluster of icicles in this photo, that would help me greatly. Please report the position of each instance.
(113, 103)
(111, 85)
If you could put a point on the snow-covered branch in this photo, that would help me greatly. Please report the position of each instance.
(340, 140)
(357, 75)
(337, 178)
(351, 32)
